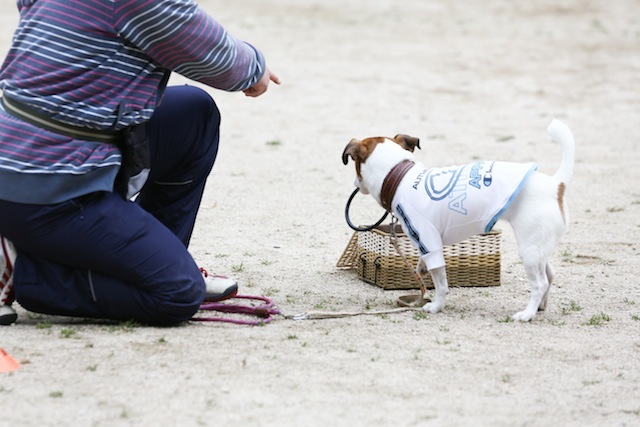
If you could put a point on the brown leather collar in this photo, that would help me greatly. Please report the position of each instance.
(391, 182)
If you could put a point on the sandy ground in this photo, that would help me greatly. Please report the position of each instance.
(472, 80)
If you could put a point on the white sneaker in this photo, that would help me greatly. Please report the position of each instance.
(219, 287)
(7, 258)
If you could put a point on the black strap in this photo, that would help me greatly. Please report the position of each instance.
(42, 121)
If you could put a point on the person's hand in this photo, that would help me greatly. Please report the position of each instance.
(262, 85)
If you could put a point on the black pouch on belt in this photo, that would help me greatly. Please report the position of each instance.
(136, 160)
(135, 167)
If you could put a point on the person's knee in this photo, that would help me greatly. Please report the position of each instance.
(203, 105)
(206, 128)
(182, 301)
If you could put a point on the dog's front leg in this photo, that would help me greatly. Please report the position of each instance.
(439, 277)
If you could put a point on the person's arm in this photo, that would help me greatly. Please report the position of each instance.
(181, 37)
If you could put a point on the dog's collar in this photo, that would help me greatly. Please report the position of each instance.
(391, 182)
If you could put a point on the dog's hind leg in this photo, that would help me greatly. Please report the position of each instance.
(538, 225)
(539, 283)
(550, 276)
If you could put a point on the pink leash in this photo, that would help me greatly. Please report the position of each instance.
(265, 311)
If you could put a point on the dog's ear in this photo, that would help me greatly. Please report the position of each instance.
(407, 142)
(353, 150)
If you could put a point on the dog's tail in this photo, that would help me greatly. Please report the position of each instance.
(560, 133)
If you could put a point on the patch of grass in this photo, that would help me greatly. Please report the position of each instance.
(266, 262)
(505, 138)
(127, 326)
(556, 322)
(573, 306)
(599, 319)
(420, 315)
(614, 209)
(237, 268)
(44, 325)
(598, 26)
(67, 333)
(274, 143)
(506, 378)
(635, 317)
(271, 291)
(56, 394)
(370, 304)
(566, 255)
(506, 319)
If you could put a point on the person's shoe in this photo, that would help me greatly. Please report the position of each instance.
(219, 287)
(7, 257)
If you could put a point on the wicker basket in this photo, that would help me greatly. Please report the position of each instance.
(472, 262)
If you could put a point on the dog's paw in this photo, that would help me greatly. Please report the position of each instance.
(432, 307)
(523, 316)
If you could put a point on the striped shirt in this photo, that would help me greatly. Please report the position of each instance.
(99, 64)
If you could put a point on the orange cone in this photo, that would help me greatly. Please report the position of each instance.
(7, 363)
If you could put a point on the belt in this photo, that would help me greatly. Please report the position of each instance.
(42, 121)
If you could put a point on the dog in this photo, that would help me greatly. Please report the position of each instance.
(443, 206)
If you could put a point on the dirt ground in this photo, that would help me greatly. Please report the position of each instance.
(472, 80)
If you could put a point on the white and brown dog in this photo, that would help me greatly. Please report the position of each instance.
(442, 206)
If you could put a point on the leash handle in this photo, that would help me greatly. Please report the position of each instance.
(265, 311)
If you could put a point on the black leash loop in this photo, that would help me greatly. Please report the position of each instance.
(346, 215)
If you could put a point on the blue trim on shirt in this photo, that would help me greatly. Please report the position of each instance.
(413, 233)
(495, 218)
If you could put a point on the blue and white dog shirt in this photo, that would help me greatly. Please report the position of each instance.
(443, 206)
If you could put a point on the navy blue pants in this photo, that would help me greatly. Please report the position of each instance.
(101, 256)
